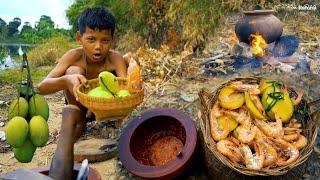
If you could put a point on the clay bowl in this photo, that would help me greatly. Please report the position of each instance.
(137, 142)
(93, 174)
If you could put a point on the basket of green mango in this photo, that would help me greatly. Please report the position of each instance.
(108, 97)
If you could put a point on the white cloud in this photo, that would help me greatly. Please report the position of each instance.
(57, 8)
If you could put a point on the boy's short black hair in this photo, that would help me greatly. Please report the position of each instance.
(99, 18)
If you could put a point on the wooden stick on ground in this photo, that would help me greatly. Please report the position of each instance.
(214, 58)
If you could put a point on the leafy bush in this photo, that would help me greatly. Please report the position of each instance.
(13, 75)
(173, 23)
(49, 51)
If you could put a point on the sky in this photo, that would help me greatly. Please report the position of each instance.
(31, 11)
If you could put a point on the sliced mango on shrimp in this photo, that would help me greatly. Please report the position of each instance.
(266, 100)
(252, 107)
(264, 84)
(227, 122)
(230, 99)
(283, 107)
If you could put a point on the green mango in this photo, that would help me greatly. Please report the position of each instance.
(109, 82)
(38, 131)
(123, 93)
(17, 131)
(24, 154)
(18, 107)
(38, 106)
(100, 92)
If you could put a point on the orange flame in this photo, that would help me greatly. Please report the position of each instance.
(258, 44)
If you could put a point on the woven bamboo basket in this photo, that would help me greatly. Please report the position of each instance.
(109, 108)
(221, 166)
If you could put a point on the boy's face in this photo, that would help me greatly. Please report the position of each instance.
(96, 43)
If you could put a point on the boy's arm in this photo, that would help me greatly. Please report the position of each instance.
(57, 80)
(120, 65)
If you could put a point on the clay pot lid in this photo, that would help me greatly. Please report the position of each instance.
(172, 166)
(259, 12)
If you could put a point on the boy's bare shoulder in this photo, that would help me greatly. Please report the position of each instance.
(115, 56)
(73, 55)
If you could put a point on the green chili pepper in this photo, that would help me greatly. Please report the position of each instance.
(276, 96)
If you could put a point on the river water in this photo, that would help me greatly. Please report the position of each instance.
(9, 53)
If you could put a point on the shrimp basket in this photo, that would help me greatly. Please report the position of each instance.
(106, 109)
(220, 166)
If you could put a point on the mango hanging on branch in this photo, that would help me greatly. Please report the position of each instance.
(18, 107)
(38, 106)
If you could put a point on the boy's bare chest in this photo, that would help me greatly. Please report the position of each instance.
(93, 70)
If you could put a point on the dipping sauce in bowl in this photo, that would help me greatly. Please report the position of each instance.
(165, 149)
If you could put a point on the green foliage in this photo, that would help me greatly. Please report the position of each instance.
(12, 75)
(3, 30)
(48, 52)
(30, 36)
(44, 29)
(158, 22)
(45, 22)
(12, 29)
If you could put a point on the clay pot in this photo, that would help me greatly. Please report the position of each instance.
(93, 174)
(143, 131)
(259, 21)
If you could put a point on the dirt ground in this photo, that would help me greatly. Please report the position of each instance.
(180, 92)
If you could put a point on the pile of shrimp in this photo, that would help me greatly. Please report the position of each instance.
(259, 143)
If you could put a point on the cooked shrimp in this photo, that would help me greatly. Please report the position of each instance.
(291, 137)
(270, 153)
(252, 161)
(301, 142)
(217, 133)
(271, 130)
(246, 133)
(216, 109)
(294, 124)
(251, 88)
(230, 150)
(260, 135)
(234, 140)
(290, 151)
(257, 102)
(240, 116)
(291, 134)
(298, 99)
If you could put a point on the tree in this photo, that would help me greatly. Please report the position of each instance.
(13, 27)
(2, 23)
(45, 22)
(45, 27)
(128, 14)
(28, 34)
(73, 12)
(25, 27)
(3, 30)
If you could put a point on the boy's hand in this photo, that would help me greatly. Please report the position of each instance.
(73, 81)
